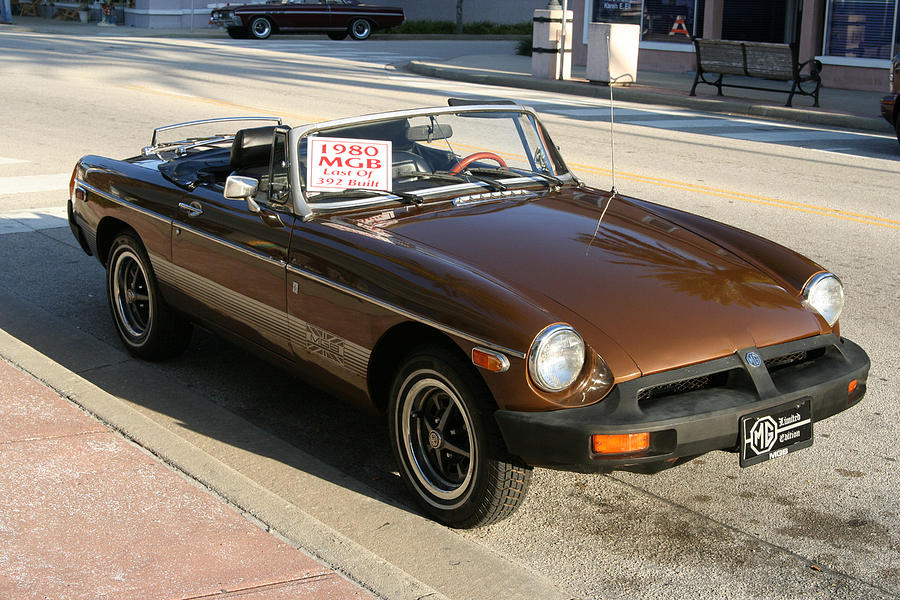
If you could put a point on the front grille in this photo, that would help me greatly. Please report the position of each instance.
(793, 359)
(667, 389)
(702, 382)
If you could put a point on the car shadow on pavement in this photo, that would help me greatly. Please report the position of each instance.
(217, 396)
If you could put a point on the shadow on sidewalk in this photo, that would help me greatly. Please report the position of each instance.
(215, 392)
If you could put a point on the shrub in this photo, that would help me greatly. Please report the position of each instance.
(449, 28)
(523, 48)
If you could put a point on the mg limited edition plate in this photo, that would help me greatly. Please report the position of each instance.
(775, 431)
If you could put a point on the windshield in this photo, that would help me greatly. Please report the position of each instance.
(413, 156)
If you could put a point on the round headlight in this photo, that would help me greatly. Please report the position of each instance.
(825, 293)
(556, 358)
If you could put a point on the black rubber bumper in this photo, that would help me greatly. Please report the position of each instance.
(692, 410)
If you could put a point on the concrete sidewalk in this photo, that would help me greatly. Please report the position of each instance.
(852, 109)
(84, 513)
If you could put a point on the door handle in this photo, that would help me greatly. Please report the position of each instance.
(193, 209)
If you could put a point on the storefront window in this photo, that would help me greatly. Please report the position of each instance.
(897, 31)
(617, 11)
(861, 28)
(672, 20)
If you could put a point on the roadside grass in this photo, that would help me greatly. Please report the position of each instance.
(449, 28)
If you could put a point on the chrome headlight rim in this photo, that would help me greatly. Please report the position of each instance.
(544, 337)
(809, 296)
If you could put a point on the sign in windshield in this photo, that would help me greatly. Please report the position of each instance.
(337, 164)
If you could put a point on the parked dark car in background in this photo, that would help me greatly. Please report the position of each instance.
(337, 18)
(890, 104)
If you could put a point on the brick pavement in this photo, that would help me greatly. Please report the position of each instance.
(85, 513)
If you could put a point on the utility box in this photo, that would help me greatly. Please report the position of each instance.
(548, 59)
(613, 52)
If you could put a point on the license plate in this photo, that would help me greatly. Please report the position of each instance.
(774, 432)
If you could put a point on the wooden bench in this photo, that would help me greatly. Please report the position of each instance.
(778, 62)
(30, 8)
(66, 14)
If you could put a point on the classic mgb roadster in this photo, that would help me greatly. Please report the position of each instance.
(444, 267)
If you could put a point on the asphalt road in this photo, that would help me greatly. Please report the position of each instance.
(824, 522)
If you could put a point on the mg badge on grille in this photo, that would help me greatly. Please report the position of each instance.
(754, 359)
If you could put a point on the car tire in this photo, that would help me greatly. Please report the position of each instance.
(448, 448)
(237, 33)
(146, 325)
(338, 35)
(360, 29)
(260, 28)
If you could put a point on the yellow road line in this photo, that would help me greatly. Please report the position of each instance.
(798, 206)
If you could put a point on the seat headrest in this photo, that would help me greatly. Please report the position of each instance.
(252, 147)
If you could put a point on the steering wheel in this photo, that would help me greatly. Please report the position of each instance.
(465, 162)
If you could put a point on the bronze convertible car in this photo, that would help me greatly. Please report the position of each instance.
(337, 18)
(444, 267)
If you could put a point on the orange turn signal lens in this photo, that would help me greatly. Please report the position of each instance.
(852, 387)
(620, 443)
(492, 361)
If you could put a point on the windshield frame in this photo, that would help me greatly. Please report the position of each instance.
(307, 210)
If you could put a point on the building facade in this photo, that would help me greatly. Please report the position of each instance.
(854, 39)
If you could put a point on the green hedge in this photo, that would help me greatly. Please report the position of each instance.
(449, 27)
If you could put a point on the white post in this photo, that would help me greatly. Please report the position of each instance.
(563, 38)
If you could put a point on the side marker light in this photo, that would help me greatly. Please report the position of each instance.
(489, 360)
(620, 443)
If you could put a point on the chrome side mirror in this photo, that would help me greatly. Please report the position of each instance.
(243, 188)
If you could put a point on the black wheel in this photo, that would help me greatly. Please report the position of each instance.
(260, 28)
(447, 445)
(338, 35)
(237, 33)
(360, 29)
(147, 327)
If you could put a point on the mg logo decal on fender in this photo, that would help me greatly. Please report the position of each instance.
(754, 359)
(763, 434)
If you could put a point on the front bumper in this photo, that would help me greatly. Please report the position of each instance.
(225, 19)
(692, 410)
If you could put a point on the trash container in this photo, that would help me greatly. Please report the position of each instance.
(613, 52)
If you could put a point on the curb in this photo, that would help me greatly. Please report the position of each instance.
(379, 544)
(645, 96)
(301, 530)
(91, 29)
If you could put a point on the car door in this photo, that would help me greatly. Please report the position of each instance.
(306, 15)
(231, 261)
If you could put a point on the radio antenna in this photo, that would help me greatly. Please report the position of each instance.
(612, 143)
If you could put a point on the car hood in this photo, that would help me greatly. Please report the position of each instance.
(667, 296)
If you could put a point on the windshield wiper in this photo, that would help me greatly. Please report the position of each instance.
(464, 177)
(552, 179)
(410, 198)
(495, 184)
(439, 176)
